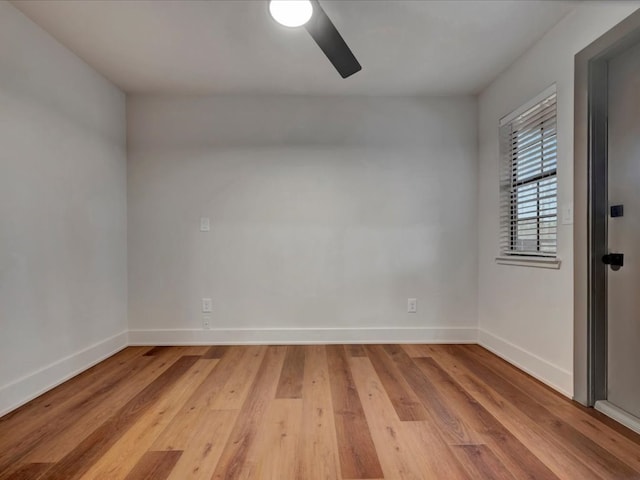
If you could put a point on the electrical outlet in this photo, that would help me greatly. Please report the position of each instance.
(206, 322)
(207, 305)
(205, 224)
(412, 305)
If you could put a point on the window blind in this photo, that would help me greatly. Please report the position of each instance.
(528, 182)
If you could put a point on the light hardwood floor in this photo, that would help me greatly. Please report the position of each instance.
(310, 412)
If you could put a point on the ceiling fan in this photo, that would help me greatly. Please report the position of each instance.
(296, 13)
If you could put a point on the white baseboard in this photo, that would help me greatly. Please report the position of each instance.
(27, 388)
(539, 368)
(619, 415)
(303, 336)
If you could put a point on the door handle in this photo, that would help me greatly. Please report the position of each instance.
(614, 260)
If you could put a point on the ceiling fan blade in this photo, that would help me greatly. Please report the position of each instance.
(326, 35)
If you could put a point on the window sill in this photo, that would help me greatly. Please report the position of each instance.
(524, 261)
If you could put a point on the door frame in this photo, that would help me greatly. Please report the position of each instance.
(591, 208)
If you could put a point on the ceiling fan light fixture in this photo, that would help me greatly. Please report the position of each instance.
(291, 13)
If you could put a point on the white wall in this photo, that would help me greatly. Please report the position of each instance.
(526, 314)
(327, 213)
(62, 212)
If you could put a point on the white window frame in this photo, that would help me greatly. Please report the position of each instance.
(538, 252)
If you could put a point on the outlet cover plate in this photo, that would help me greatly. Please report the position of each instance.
(412, 305)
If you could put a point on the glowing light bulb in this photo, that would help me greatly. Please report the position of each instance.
(291, 13)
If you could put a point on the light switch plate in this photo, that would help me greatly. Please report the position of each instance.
(567, 214)
(207, 305)
(205, 224)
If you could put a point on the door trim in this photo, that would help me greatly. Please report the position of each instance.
(590, 208)
(619, 415)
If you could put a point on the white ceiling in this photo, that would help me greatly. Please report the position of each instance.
(234, 47)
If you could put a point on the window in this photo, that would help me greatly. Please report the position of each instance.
(528, 181)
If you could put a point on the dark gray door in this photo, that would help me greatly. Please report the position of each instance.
(623, 285)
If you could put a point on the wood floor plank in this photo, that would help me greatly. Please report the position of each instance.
(277, 443)
(604, 420)
(198, 350)
(290, 384)
(392, 442)
(416, 350)
(425, 442)
(181, 350)
(132, 445)
(540, 392)
(262, 392)
(204, 444)
(176, 435)
(32, 419)
(23, 417)
(235, 390)
(602, 461)
(519, 431)
(155, 351)
(154, 466)
(621, 445)
(90, 414)
(89, 450)
(358, 456)
(216, 351)
(481, 462)
(514, 454)
(521, 462)
(405, 402)
(318, 459)
(356, 350)
(228, 366)
(452, 427)
(30, 471)
(32, 444)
